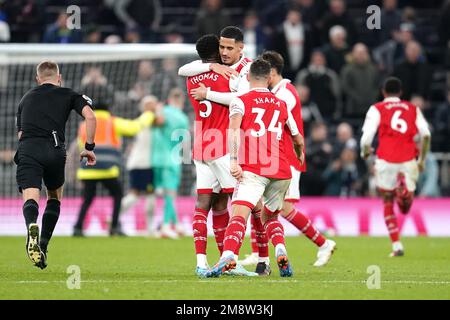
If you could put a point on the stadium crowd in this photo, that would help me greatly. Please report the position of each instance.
(335, 61)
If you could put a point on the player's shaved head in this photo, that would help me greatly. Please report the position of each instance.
(260, 70)
(207, 47)
(392, 87)
(47, 70)
(275, 60)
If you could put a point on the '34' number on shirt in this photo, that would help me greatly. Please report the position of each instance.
(274, 126)
(397, 123)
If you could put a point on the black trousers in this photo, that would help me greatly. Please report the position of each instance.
(114, 188)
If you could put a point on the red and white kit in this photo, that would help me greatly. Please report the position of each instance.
(397, 122)
(285, 91)
(210, 154)
(262, 153)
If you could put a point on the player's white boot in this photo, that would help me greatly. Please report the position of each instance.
(168, 232)
(397, 249)
(250, 259)
(324, 253)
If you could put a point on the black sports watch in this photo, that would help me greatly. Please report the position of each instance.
(89, 146)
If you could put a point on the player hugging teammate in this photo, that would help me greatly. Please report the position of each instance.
(209, 94)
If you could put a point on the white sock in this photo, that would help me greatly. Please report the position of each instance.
(128, 201)
(228, 253)
(397, 245)
(266, 260)
(324, 245)
(150, 201)
(201, 261)
(280, 246)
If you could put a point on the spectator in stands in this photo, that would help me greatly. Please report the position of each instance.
(144, 81)
(132, 35)
(112, 39)
(441, 124)
(392, 52)
(323, 84)
(95, 84)
(27, 18)
(444, 24)
(253, 32)
(318, 155)
(338, 16)
(310, 110)
(360, 82)
(163, 82)
(427, 185)
(58, 32)
(337, 50)
(344, 139)
(141, 16)
(271, 13)
(342, 176)
(312, 12)
(391, 19)
(415, 73)
(293, 40)
(423, 105)
(5, 34)
(211, 18)
(92, 35)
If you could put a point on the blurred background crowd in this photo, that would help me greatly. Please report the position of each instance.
(335, 61)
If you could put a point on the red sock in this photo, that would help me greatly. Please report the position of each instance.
(253, 240)
(234, 234)
(391, 221)
(262, 243)
(199, 230)
(302, 223)
(274, 231)
(405, 202)
(220, 222)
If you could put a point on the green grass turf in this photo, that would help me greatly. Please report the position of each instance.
(141, 268)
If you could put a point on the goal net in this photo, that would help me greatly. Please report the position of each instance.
(119, 75)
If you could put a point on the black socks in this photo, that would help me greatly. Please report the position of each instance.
(30, 211)
(49, 220)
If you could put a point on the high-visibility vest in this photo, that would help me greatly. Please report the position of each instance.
(107, 149)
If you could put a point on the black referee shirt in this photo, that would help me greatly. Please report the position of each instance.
(46, 108)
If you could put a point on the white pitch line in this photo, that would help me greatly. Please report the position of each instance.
(219, 282)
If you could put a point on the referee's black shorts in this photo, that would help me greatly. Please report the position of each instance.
(37, 159)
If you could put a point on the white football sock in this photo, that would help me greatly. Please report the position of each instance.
(201, 261)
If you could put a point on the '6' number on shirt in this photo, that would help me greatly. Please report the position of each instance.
(274, 126)
(397, 123)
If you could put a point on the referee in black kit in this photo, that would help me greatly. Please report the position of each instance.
(41, 155)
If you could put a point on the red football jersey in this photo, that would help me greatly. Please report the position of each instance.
(287, 92)
(262, 148)
(211, 119)
(397, 128)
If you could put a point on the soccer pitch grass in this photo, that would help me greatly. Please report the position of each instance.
(142, 268)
